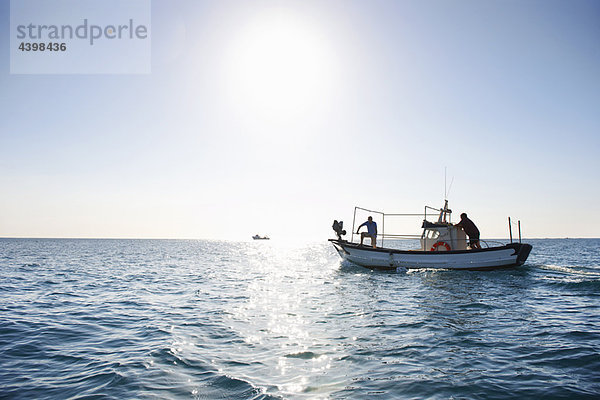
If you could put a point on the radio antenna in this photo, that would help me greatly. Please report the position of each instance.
(446, 188)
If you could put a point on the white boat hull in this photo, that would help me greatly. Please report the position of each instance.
(510, 255)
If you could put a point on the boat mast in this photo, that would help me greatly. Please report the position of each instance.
(353, 221)
(444, 213)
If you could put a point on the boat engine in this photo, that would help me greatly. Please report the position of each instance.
(338, 227)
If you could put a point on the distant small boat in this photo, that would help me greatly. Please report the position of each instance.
(258, 237)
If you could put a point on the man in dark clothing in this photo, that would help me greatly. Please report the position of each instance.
(470, 229)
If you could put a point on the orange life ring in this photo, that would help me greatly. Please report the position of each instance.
(438, 244)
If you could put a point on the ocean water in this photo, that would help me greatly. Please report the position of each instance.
(199, 319)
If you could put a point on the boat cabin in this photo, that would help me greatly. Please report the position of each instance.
(442, 235)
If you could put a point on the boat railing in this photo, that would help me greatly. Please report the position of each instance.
(392, 236)
(486, 243)
(443, 213)
(383, 215)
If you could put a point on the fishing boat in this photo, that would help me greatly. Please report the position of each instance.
(258, 237)
(443, 245)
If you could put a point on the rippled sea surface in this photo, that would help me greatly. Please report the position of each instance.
(261, 320)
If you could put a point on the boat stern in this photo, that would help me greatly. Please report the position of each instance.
(522, 251)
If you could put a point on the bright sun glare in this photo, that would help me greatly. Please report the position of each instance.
(279, 67)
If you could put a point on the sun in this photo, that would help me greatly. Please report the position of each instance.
(279, 67)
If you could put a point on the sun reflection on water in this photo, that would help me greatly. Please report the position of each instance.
(282, 316)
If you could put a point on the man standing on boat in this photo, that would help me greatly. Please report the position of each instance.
(371, 231)
(470, 229)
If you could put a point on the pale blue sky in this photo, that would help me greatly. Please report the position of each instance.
(276, 117)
